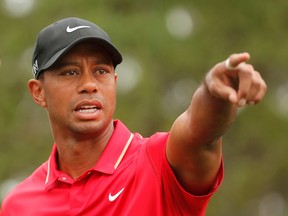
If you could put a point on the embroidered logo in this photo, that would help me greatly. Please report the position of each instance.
(115, 196)
(69, 29)
(35, 67)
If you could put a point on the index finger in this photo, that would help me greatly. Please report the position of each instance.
(236, 59)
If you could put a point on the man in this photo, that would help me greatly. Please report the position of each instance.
(97, 166)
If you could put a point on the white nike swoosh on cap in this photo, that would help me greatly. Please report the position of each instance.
(115, 196)
(69, 30)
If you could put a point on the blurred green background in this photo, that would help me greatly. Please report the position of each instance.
(168, 46)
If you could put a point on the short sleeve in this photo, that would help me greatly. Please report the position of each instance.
(178, 201)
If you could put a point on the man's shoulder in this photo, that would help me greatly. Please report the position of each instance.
(157, 141)
(35, 181)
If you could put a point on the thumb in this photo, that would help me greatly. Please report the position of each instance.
(226, 93)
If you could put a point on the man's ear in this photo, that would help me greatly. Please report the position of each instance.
(37, 92)
(116, 77)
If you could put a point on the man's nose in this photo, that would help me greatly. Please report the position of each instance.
(87, 83)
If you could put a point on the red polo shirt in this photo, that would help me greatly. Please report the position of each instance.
(132, 177)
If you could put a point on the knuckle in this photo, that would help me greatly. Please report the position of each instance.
(245, 68)
(264, 85)
(212, 86)
(250, 67)
(256, 83)
(248, 74)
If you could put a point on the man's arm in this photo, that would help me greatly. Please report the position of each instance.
(194, 145)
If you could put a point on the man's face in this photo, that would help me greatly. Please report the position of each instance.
(80, 91)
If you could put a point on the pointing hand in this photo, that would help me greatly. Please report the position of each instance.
(236, 81)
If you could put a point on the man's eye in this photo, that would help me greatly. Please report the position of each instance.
(101, 71)
(70, 73)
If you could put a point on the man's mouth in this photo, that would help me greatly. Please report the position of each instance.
(87, 109)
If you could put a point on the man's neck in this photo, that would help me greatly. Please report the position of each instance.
(76, 156)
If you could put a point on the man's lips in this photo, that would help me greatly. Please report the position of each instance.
(87, 109)
(88, 106)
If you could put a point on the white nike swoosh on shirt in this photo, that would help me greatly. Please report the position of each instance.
(69, 30)
(115, 196)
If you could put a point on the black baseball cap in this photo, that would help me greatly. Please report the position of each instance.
(58, 38)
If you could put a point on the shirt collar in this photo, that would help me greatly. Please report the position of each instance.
(52, 169)
(109, 159)
(115, 149)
